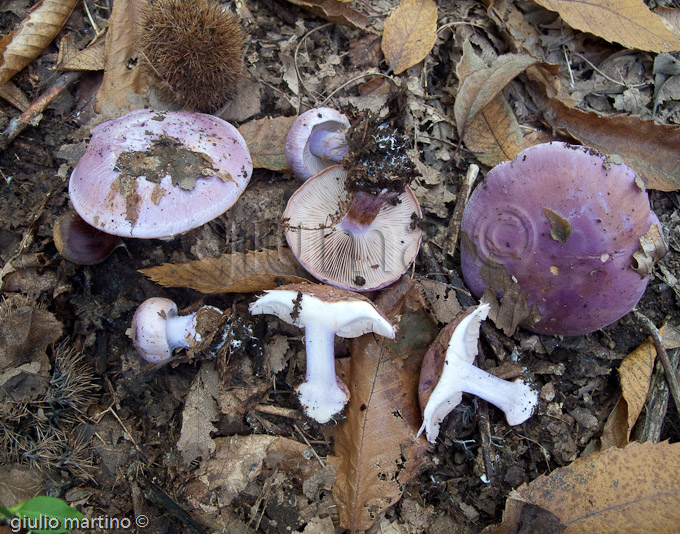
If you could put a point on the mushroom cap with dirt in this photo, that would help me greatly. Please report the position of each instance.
(156, 174)
(324, 312)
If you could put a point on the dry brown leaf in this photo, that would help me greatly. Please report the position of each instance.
(481, 87)
(89, 59)
(410, 33)
(21, 47)
(494, 134)
(442, 300)
(633, 490)
(375, 451)
(231, 273)
(125, 84)
(627, 22)
(266, 140)
(650, 149)
(337, 12)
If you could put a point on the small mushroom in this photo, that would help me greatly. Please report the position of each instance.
(563, 222)
(315, 141)
(354, 240)
(157, 328)
(324, 312)
(448, 371)
(156, 174)
(80, 243)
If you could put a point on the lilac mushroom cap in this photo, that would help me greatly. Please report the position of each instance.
(155, 174)
(354, 241)
(316, 140)
(564, 222)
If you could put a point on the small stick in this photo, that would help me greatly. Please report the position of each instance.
(671, 377)
(18, 124)
(461, 202)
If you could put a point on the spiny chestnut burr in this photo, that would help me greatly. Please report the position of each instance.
(196, 49)
(80, 243)
(567, 225)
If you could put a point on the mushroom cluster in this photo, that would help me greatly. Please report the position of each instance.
(565, 222)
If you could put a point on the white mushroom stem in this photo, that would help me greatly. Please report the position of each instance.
(180, 329)
(459, 375)
(328, 145)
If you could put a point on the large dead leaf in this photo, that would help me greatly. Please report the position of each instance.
(633, 490)
(335, 11)
(479, 88)
(266, 140)
(125, 84)
(20, 48)
(650, 149)
(89, 59)
(627, 22)
(232, 273)
(375, 451)
(410, 33)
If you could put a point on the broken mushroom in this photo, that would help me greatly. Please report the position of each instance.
(324, 312)
(354, 240)
(156, 174)
(565, 223)
(316, 140)
(158, 330)
(448, 371)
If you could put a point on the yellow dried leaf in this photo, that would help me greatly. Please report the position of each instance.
(410, 33)
(494, 134)
(627, 22)
(479, 88)
(21, 47)
(636, 373)
(266, 140)
(634, 490)
(91, 58)
(231, 273)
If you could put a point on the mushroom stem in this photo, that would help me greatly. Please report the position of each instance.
(322, 394)
(179, 329)
(328, 145)
(363, 210)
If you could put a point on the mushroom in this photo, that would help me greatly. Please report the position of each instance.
(80, 243)
(448, 371)
(157, 328)
(315, 141)
(353, 240)
(565, 223)
(155, 174)
(324, 312)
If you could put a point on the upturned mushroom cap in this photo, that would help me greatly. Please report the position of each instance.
(157, 173)
(564, 221)
(336, 246)
(149, 330)
(302, 161)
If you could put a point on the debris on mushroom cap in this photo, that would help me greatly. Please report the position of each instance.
(352, 240)
(563, 222)
(448, 371)
(321, 122)
(323, 312)
(157, 174)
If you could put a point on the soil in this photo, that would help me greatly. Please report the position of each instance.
(85, 419)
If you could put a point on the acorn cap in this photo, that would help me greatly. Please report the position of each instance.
(347, 255)
(154, 174)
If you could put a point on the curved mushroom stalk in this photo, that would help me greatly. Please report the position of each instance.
(329, 145)
(444, 378)
(324, 312)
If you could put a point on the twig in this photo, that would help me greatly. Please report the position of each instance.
(622, 84)
(309, 445)
(668, 368)
(461, 202)
(297, 49)
(357, 78)
(485, 437)
(18, 124)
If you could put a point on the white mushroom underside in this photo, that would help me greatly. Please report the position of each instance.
(361, 261)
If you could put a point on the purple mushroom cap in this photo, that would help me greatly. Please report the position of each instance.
(157, 174)
(564, 222)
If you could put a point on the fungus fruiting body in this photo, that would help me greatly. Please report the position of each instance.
(155, 174)
(316, 140)
(563, 222)
(324, 312)
(158, 330)
(353, 240)
(80, 243)
(196, 50)
(448, 371)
